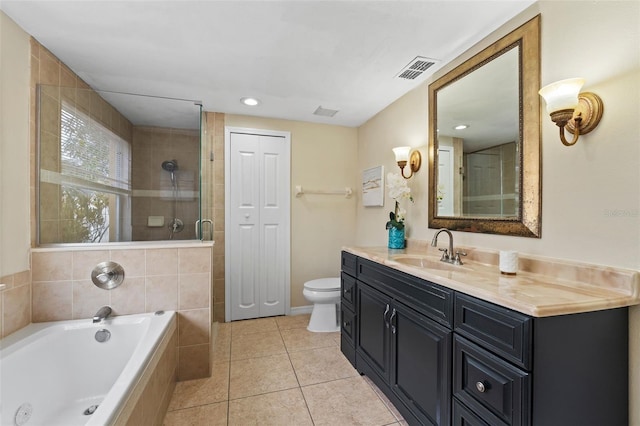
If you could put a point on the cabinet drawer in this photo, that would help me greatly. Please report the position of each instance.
(348, 263)
(348, 325)
(348, 285)
(485, 382)
(428, 298)
(503, 331)
(462, 416)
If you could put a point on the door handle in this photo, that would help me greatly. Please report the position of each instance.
(384, 316)
(393, 327)
(200, 223)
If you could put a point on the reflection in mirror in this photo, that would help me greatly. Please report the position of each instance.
(478, 141)
(485, 140)
(116, 167)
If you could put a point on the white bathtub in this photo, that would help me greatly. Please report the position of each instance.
(57, 370)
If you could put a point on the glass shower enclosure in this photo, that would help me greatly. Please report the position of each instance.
(116, 167)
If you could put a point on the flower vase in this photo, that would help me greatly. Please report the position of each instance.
(396, 238)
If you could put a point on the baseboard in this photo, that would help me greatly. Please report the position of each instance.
(301, 310)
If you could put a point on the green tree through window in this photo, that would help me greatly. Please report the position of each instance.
(95, 179)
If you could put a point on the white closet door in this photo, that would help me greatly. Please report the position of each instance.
(445, 180)
(257, 238)
(274, 175)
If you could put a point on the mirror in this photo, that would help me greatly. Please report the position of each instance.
(484, 140)
(116, 167)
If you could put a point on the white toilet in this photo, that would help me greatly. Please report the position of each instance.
(324, 293)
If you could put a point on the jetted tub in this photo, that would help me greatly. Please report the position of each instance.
(56, 373)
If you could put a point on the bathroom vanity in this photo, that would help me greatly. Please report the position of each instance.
(470, 347)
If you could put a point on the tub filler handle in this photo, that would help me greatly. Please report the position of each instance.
(107, 275)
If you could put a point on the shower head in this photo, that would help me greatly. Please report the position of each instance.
(170, 165)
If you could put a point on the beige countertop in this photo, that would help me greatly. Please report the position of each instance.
(541, 288)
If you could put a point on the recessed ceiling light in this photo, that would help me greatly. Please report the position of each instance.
(250, 101)
(461, 127)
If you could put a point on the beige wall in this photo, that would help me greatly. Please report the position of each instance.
(15, 298)
(14, 147)
(322, 157)
(591, 191)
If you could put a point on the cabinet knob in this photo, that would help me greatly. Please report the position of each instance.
(480, 386)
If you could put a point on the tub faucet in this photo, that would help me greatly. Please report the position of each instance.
(102, 314)
(447, 254)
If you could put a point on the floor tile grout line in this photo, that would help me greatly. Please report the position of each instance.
(287, 350)
(306, 404)
(377, 391)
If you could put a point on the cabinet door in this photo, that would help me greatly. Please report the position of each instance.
(421, 364)
(374, 309)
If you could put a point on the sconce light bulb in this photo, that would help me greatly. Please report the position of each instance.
(562, 95)
(402, 153)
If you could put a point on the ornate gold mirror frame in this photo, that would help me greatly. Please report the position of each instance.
(527, 222)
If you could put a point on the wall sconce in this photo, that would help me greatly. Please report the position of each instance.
(579, 113)
(404, 156)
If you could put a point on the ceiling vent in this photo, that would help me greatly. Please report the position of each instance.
(325, 112)
(416, 67)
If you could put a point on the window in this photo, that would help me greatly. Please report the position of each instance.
(95, 180)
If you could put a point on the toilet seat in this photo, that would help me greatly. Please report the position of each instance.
(323, 284)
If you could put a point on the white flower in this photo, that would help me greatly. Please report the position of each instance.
(402, 213)
(397, 186)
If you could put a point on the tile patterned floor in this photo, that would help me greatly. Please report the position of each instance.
(272, 371)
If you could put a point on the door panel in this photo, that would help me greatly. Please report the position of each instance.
(421, 353)
(373, 328)
(273, 176)
(244, 220)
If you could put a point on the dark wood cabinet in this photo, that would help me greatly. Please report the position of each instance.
(402, 343)
(420, 364)
(443, 357)
(372, 336)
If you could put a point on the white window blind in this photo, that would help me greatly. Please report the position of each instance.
(91, 155)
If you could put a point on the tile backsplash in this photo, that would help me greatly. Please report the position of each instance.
(15, 302)
(169, 277)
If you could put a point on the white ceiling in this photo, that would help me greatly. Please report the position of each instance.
(292, 55)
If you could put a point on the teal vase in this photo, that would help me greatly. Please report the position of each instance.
(396, 238)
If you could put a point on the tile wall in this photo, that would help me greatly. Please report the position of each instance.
(170, 277)
(15, 302)
(213, 201)
(152, 188)
(58, 83)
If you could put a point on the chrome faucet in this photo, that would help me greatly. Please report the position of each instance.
(102, 314)
(447, 254)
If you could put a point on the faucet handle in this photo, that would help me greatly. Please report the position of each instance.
(445, 254)
(456, 259)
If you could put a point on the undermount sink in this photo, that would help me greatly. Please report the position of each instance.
(427, 263)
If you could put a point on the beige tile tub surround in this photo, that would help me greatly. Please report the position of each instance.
(148, 402)
(15, 302)
(279, 381)
(542, 287)
(174, 276)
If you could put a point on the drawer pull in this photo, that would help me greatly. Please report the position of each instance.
(347, 291)
(384, 316)
(393, 327)
(346, 324)
(481, 387)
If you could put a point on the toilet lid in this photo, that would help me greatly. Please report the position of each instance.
(323, 284)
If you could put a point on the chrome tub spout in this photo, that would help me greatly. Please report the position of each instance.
(102, 314)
